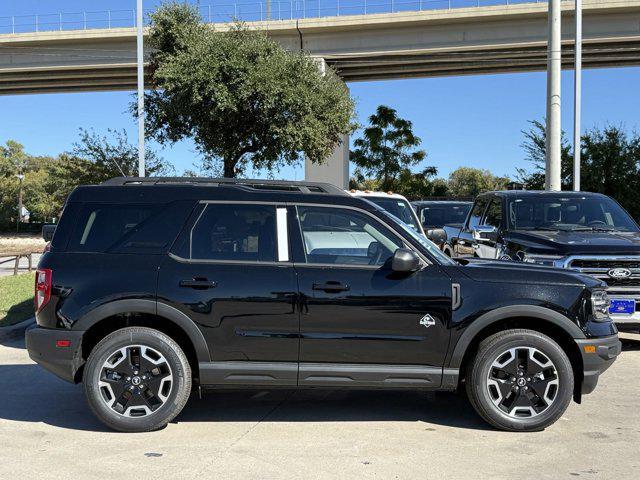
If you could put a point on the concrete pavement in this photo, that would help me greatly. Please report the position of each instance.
(48, 432)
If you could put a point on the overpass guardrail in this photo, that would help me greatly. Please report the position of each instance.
(248, 11)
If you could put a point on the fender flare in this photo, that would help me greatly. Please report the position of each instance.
(513, 311)
(154, 308)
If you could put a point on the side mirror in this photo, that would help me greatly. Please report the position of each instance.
(437, 235)
(48, 229)
(405, 261)
(484, 231)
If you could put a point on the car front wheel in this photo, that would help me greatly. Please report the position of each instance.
(137, 379)
(520, 380)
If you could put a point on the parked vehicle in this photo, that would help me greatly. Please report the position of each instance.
(587, 232)
(395, 204)
(435, 214)
(154, 286)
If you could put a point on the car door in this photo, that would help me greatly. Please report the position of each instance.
(229, 272)
(486, 242)
(360, 323)
(466, 245)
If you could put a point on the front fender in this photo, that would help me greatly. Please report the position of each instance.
(503, 313)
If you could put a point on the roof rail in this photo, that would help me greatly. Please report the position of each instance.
(255, 184)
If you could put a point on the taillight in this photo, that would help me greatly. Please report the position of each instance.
(43, 288)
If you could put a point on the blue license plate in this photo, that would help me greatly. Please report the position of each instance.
(622, 305)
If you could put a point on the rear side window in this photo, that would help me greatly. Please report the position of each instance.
(127, 228)
(245, 233)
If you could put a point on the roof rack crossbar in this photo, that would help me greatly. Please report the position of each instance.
(280, 185)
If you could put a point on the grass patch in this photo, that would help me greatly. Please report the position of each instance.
(16, 298)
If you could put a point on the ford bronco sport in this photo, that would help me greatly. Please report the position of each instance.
(154, 286)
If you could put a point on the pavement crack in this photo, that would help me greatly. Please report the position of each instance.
(262, 419)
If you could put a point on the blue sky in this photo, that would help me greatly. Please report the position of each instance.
(463, 121)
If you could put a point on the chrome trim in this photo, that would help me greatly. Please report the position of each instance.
(566, 261)
(282, 234)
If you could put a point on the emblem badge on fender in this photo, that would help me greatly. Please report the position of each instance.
(427, 321)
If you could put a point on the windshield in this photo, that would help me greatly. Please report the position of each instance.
(428, 245)
(399, 208)
(568, 213)
(438, 215)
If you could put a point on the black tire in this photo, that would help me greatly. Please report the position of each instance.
(506, 414)
(172, 382)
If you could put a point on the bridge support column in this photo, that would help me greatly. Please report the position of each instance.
(335, 169)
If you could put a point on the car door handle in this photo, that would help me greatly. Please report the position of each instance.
(331, 287)
(198, 283)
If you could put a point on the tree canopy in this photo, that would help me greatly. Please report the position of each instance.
(387, 151)
(49, 180)
(609, 163)
(469, 182)
(240, 96)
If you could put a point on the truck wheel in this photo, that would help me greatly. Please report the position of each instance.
(137, 380)
(520, 380)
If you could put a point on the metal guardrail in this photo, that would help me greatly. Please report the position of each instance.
(239, 10)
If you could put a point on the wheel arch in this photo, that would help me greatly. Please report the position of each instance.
(549, 322)
(112, 316)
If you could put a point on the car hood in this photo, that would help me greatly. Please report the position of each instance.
(575, 243)
(502, 271)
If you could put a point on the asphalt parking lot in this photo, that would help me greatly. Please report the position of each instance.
(47, 431)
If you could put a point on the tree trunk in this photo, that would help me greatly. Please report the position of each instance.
(229, 169)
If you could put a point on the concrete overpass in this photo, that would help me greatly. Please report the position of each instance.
(463, 41)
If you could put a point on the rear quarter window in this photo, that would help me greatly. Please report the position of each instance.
(128, 228)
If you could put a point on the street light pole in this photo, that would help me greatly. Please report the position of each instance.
(140, 55)
(577, 97)
(553, 130)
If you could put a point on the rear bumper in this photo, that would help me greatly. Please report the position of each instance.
(61, 361)
(597, 355)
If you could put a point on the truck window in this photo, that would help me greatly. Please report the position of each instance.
(477, 211)
(493, 217)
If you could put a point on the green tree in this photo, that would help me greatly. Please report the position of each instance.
(469, 182)
(112, 156)
(535, 148)
(388, 149)
(240, 95)
(609, 163)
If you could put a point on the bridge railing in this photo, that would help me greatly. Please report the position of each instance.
(244, 10)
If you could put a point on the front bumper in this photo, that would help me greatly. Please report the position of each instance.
(63, 361)
(597, 355)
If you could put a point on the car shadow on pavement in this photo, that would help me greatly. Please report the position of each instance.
(30, 394)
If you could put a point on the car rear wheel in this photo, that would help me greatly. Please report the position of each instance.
(520, 380)
(137, 379)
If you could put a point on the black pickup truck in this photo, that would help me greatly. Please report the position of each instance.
(587, 232)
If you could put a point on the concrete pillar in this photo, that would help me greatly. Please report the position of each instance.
(335, 169)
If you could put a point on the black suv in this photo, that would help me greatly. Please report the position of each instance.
(152, 286)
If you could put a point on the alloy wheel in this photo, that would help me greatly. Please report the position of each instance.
(135, 381)
(522, 382)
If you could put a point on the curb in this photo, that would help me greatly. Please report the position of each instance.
(17, 330)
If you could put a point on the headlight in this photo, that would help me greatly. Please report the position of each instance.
(600, 305)
(539, 259)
